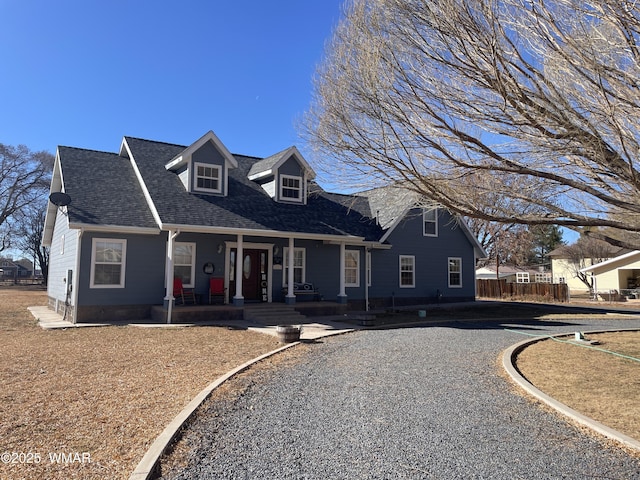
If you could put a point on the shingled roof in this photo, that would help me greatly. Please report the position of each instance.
(105, 191)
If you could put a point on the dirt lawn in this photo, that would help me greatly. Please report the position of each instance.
(102, 393)
(600, 385)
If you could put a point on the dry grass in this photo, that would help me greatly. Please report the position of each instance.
(105, 391)
(599, 385)
(110, 391)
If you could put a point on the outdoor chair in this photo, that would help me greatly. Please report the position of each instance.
(217, 290)
(185, 295)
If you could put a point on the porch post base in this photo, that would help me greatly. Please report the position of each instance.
(238, 301)
(290, 300)
(342, 299)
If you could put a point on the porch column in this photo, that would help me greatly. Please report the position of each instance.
(238, 299)
(290, 299)
(342, 296)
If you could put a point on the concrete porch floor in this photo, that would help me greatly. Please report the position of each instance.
(313, 327)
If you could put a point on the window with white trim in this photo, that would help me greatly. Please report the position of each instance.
(298, 265)
(542, 277)
(455, 272)
(351, 268)
(522, 277)
(430, 222)
(108, 262)
(407, 271)
(291, 188)
(184, 261)
(208, 177)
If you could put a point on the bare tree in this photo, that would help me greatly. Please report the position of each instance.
(24, 178)
(462, 99)
(585, 252)
(504, 243)
(29, 227)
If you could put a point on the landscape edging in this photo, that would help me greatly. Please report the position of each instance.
(149, 461)
(508, 363)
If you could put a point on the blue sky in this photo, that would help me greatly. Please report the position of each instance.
(86, 73)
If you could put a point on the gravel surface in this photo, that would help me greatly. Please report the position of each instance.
(424, 402)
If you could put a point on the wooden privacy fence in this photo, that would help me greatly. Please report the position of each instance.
(558, 292)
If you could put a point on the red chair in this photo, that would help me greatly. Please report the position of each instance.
(185, 295)
(217, 290)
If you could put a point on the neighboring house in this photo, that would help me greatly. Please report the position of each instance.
(154, 210)
(27, 267)
(15, 269)
(513, 274)
(566, 270)
(620, 273)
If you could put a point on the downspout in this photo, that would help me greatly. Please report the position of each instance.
(169, 273)
(76, 280)
(367, 268)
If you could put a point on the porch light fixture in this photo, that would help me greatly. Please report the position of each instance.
(220, 247)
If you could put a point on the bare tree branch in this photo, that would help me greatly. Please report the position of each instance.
(460, 100)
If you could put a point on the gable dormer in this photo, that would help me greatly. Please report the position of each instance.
(204, 166)
(285, 176)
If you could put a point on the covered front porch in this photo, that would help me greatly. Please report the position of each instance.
(274, 313)
(260, 269)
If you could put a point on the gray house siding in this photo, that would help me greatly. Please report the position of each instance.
(143, 280)
(431, 263)
(207, 252)
(64, 247)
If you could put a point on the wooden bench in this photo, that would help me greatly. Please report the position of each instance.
(304, 290)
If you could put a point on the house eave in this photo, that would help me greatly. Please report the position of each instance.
(259, 175)
(351, 239)
(609, 262)
(87, 227)
(184, 156)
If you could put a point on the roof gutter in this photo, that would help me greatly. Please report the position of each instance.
(262, 233)
(115, 228)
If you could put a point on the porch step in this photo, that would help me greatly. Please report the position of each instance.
(273, 314)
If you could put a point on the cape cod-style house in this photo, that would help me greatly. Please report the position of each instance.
(122, 225)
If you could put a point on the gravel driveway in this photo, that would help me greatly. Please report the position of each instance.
(425, 402)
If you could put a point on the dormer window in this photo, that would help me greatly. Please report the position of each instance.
(291, 188)
(208, 178)
(204, 166)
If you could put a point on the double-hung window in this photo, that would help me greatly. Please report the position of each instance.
(291, 188)
(407, 271)
(522, 277)
(208, 178)
(108, 257)
(298, 266)
(351, 268)
(455, 272)
(430, 222)
(184, 260)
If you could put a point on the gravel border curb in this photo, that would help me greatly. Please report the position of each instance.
(508, 362)
(147, 465)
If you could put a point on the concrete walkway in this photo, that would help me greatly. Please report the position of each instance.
(317, 327)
